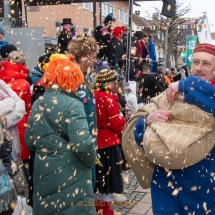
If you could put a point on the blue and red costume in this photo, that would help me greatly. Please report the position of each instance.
(196, 184)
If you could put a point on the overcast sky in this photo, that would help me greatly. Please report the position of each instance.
(198, 7)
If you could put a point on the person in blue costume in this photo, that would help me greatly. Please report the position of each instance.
(196, 183)
(152, 54)
(85, 52)
(3, 42)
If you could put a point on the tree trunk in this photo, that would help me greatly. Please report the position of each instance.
(169, 49)
(176, 60)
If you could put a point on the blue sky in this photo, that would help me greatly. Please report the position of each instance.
(197, 8)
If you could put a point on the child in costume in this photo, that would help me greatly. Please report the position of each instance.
(110, 127)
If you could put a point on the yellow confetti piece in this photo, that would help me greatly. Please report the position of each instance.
(44, 150)
(81, 133)
(194, 188)
(169, 173)
(76, 191)
(175, 192)
(54, 101)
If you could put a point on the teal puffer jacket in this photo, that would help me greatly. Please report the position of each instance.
(62, 170)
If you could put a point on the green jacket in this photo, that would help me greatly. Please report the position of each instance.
(62, 170)
(85, 96)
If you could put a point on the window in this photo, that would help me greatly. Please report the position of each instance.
(206, 34)
(107, 8)
(125, 17)
(120, 14)
(86, 6)
(103, 9)
(91, 6)
(110, 9)
(58, 27)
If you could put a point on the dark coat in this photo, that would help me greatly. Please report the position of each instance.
(104, 42)
(124, 41)
(63, 40)
(145, 52)
(151, 87)
(5, 159)
(178, 76)
(116, 50)
(161, 81)
(133, 69)
(62, 170)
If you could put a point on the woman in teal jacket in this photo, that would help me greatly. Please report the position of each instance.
(64, 151)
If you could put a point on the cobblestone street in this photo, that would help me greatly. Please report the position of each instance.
(139, 200)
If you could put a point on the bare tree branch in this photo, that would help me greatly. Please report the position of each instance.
(177, 38)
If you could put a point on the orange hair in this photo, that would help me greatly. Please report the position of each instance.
(64, 72)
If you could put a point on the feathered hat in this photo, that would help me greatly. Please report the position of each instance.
(109, 18)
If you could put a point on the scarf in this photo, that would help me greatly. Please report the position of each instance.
(3, 43)
(102, 88)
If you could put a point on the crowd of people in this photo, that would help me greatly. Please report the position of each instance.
(63, 121)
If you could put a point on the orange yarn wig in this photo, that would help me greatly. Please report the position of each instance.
(64, 72)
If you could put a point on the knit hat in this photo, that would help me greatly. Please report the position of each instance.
(101, 66)
(1, 29)
(7, 49)
(106, 75)
(205, 47)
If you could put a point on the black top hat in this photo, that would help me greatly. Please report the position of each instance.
(67, 21)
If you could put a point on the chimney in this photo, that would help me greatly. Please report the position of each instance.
(137, 13)
(204, 15)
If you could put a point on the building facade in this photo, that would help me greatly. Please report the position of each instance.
(50, 17)
(204, 32)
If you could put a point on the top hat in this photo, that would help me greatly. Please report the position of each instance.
(67, 21)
